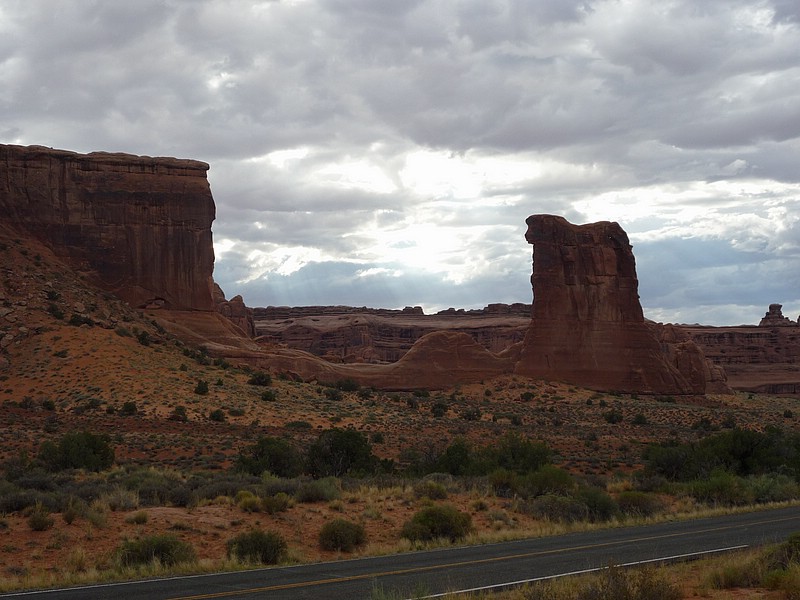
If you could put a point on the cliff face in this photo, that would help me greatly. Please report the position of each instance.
(139, 227)
(587, 324)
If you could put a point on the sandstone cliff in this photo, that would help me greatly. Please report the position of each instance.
(587, 324)
(137, 226)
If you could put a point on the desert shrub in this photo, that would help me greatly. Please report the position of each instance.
(783, 555)
(439, 409)
(128, 409)
(430, 489)
(257, 546)
(342, 536)
(271, 485)
(639, 504)
(119, 498)
(773, 488)
(40, 519)
(217, 415)
(74, 508)
(347, 385)
(247, 501)
(456, 459)
(333, 394)
(143, 337)
(504, 483)
(738, 451)
(319, 490)
(337, 452)
(272, 454)
(613, 416)
(600, 506)
(156, 487)
(269, 395)
(558, 508)
(616, 583)
(80, 450)
(55, 311)
(260, 378)
(721, 488)
(514, 453)
(548, 479)
(201, 388)
(472, 413)
(138, 518)
(77, 320)
(275, 504)
(165, 549)
(179, 414)
(438, 521)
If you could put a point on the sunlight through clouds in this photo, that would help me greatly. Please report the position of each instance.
(389, 152)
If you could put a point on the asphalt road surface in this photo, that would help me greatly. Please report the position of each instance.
(463, 568)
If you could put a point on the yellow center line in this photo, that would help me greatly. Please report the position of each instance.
(482, 561)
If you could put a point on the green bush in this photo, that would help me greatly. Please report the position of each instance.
(40, 519)
(129, 409)
(201, 388)
(548, 479)
(217, 415)
(559, 508)
(515, 453)
(79, 450)
(457, 458)
(257, 546)
(165, 549)
(600, 505)
(269, 396)
(438, 521)
(320, 490)
(432, 490)
(639, 504)
(342, 536)
(260, 378)
(337, 452)
(276, 503)
(179, 414)
(272, 454)
(721, 488)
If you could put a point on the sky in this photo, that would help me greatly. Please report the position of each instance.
(386, 153)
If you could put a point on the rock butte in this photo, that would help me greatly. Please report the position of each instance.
(587, 325)
(140, 227)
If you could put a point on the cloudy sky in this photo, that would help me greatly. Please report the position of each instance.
(387, 152)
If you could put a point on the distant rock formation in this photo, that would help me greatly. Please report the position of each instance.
(774, 318)
(235, 310)
(438, 360)
(367, 335)
(139, 227)
(587, 324)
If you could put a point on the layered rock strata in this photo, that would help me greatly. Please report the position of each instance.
(352, 335)
(137, 226)
(587, 326)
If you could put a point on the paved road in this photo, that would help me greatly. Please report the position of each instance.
(458, 568)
